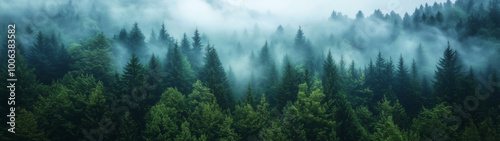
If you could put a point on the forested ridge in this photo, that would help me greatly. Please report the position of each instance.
(82, 81)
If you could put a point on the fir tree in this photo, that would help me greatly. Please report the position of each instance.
(179, 73)
(288, 86)
(136, 40)
(214, 77)
(447, 74)
(196, 58)
(185, 46)
(330, 78)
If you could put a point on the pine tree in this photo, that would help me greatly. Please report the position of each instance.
(123, 37)
(288, 86)
(179, 73)
(153, 40)
(403, 83)
(330, 78)
(196, 58)
(133, 74)
(185, 46)
(352, 71)
(349, 128)
(447, 74)
(154, 79)
(42, 57)
(249, 99)
(94, 57)
(163, 36)
(342, 69)
(136, 40)
(214, 77)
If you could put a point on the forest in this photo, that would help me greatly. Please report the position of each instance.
(85, 73)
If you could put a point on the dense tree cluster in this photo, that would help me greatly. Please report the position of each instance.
(188, 95)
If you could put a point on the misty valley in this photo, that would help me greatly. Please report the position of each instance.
(216, 70)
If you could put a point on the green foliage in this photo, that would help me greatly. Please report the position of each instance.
(435, 120)
(133, 74)
(196, 58)
(470, 133)
(287, 88)
(127, 129)
(179, 73)
(136, 42)
(331, 78)
(175, 103)
(249, 121)
(200, 95)
(396, 111)
(249, 99)
(186, 135)
(45, 55)
(447, 74)
(93, 57)
(386, 130)
(214, 77)
(160, 126)
(65, 106)
(349, 127)
(27, 127)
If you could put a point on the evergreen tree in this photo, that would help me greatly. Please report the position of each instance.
(43, 57)
(133, 74)
(179, 73)
(196, 58)
(330, 78)
(403, 84)
(214, 77)
(163, 37)
(447, 74)
(288, 86)
(123, 37)
(352, 71)
(249, 99)
(349, 128)
(153, 40)
(185, 46)
(28, 128)
(136, 40)
(93, 57)
(154, 79)
(342, 69)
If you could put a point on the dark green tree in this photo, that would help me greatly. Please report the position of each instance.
(288, 86)
(133, 74)
(179, 73)
(136, 44)
(349, 128)
(214, 77)
(196, 58)
(249, 98)
(448, 71)
(185, 46)
(330, 78)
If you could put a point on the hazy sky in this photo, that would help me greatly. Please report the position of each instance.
(349, 7)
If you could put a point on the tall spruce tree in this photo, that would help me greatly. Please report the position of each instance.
(214, 77)
(196, 58)
(185, 46)
(288, 86)
(330, 78)
(136, 40)
(179, 73)
(448, 71)
(133, 74)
